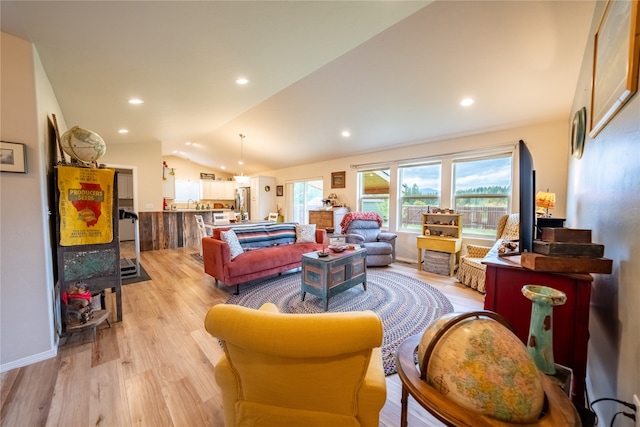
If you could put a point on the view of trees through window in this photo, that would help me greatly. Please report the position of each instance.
(374, 192)
(419, 191)
(482, 190)
(307, 195)
(480, 186)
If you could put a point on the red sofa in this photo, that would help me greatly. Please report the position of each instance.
(264, 255)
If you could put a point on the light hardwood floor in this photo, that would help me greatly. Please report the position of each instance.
(155, 368)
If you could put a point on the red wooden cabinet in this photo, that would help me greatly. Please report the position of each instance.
(504, 280)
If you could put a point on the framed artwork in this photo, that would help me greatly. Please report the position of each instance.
(615, 62)
(338, 179)
(13, 157)
(279, 190)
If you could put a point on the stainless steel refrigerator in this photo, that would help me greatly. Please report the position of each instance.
(243, 201)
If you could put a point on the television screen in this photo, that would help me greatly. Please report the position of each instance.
(527, 198)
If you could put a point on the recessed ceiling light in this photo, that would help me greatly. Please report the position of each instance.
(467, 102)
(123, 131)
(346, 133)
(136, 101)
(187, 143)
(222, 167)
(242, 81)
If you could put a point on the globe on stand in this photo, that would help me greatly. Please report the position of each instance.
(83, 145)
(475, 360)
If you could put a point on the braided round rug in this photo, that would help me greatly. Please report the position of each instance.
(406, 305)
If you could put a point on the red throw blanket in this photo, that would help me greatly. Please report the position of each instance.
(352, 216)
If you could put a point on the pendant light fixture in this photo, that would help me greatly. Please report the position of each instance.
(241, 178)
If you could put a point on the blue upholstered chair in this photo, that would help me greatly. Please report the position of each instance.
(363, 228)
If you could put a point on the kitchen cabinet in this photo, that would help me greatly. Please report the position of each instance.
(217, 190)
(169, 186)
(125, 186)
(263, 197)
(328, 219)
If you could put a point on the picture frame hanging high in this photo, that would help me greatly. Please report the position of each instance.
(615, 62)
(13, 157)
(338, 179)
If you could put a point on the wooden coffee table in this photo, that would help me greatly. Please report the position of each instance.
(330, 275)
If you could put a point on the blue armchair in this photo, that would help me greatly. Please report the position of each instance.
(363, 228)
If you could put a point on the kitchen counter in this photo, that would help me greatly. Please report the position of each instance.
(172, 229)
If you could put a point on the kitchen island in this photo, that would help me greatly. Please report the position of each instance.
(172, 228)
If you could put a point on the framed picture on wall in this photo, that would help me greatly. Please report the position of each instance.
(13, 157)
(338, 179)
(615, 62)
(279, 190)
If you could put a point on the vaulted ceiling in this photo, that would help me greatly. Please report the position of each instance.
(392, 73)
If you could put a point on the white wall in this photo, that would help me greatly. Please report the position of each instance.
(604, 196)
(146, 157)
(187, 169)
(26, 302)
(548, 142)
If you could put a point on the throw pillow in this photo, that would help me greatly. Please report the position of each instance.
(305, 233)
(233, 242)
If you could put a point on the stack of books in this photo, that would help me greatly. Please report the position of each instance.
(566, 250)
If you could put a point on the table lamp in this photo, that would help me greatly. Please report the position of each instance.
(545, 201)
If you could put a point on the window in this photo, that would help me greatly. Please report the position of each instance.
(373, 189)
(482, 192)
(187, 190)
(307, 195)
(419, 190)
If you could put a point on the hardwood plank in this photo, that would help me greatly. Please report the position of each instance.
(70, 405)
(155, 368)
(146, 403)
(108, 405)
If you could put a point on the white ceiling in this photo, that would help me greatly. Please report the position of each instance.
(391, 72)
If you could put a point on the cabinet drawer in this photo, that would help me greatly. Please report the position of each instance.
(440, 244)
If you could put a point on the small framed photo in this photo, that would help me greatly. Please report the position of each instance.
(13, 157)
(279, 190)
(338, 179)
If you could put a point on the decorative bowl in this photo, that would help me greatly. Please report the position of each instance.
(337, 248)
(323, 254)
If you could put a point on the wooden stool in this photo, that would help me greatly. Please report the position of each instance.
(98, 317)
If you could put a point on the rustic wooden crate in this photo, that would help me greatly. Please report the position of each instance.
(565, 264)
(572, 235)
(593, 250)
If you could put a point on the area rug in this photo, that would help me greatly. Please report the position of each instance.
(406, 305)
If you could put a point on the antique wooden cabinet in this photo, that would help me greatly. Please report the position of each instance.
(504, 280)
(328, 219)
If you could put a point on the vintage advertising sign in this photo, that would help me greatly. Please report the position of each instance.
(86, 202)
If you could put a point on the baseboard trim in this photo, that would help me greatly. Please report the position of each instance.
(29, 360)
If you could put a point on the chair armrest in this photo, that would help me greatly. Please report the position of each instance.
(355, 239)
(386, 237)
(475, 251)
(372, 395)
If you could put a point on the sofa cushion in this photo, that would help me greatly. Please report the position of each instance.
(268, 258)
(305, 233)
(264, 236)
(230, 237)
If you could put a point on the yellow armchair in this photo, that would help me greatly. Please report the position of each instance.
(471, 270)
(298, 369)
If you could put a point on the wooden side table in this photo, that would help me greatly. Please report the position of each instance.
(560, 412)
(450, 245)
